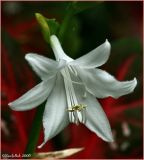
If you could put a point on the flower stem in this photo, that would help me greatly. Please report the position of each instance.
(66, 20)
(35, 130)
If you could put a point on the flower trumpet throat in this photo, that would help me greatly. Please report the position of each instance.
(71, 88)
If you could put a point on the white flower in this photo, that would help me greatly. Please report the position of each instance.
(70, 87)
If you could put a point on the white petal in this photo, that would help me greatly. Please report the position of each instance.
(95, 58)
(101, 84)
(34, 97)
(55, 116)
(57, 49)
(96, 119)
(43, 66)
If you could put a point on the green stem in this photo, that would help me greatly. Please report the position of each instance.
(35, 130)
(66, 20)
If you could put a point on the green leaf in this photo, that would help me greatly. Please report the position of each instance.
(69, 29)
(65, 23)
(35, 130)
(53, 25)
(82, 6)
(72, 40)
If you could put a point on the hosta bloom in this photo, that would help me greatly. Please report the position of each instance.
(70, 87)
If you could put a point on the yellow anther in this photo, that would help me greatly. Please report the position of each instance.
(79, 108)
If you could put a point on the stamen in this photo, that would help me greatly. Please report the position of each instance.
(76, 120)
(73, 70)
(71, 87)
(67, 94)
(84, 116)
(77, 112)
(80, 83)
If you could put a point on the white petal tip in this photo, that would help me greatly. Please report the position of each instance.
(40, 146)
(10, 104)
(107, 43)
(28, 56)
(107, 40)
(134, 83)
(109, 139)
(106, 136)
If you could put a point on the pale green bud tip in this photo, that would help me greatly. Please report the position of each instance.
(41, 20)
(39, 17)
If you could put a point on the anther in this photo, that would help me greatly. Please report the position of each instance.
(74, 111)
